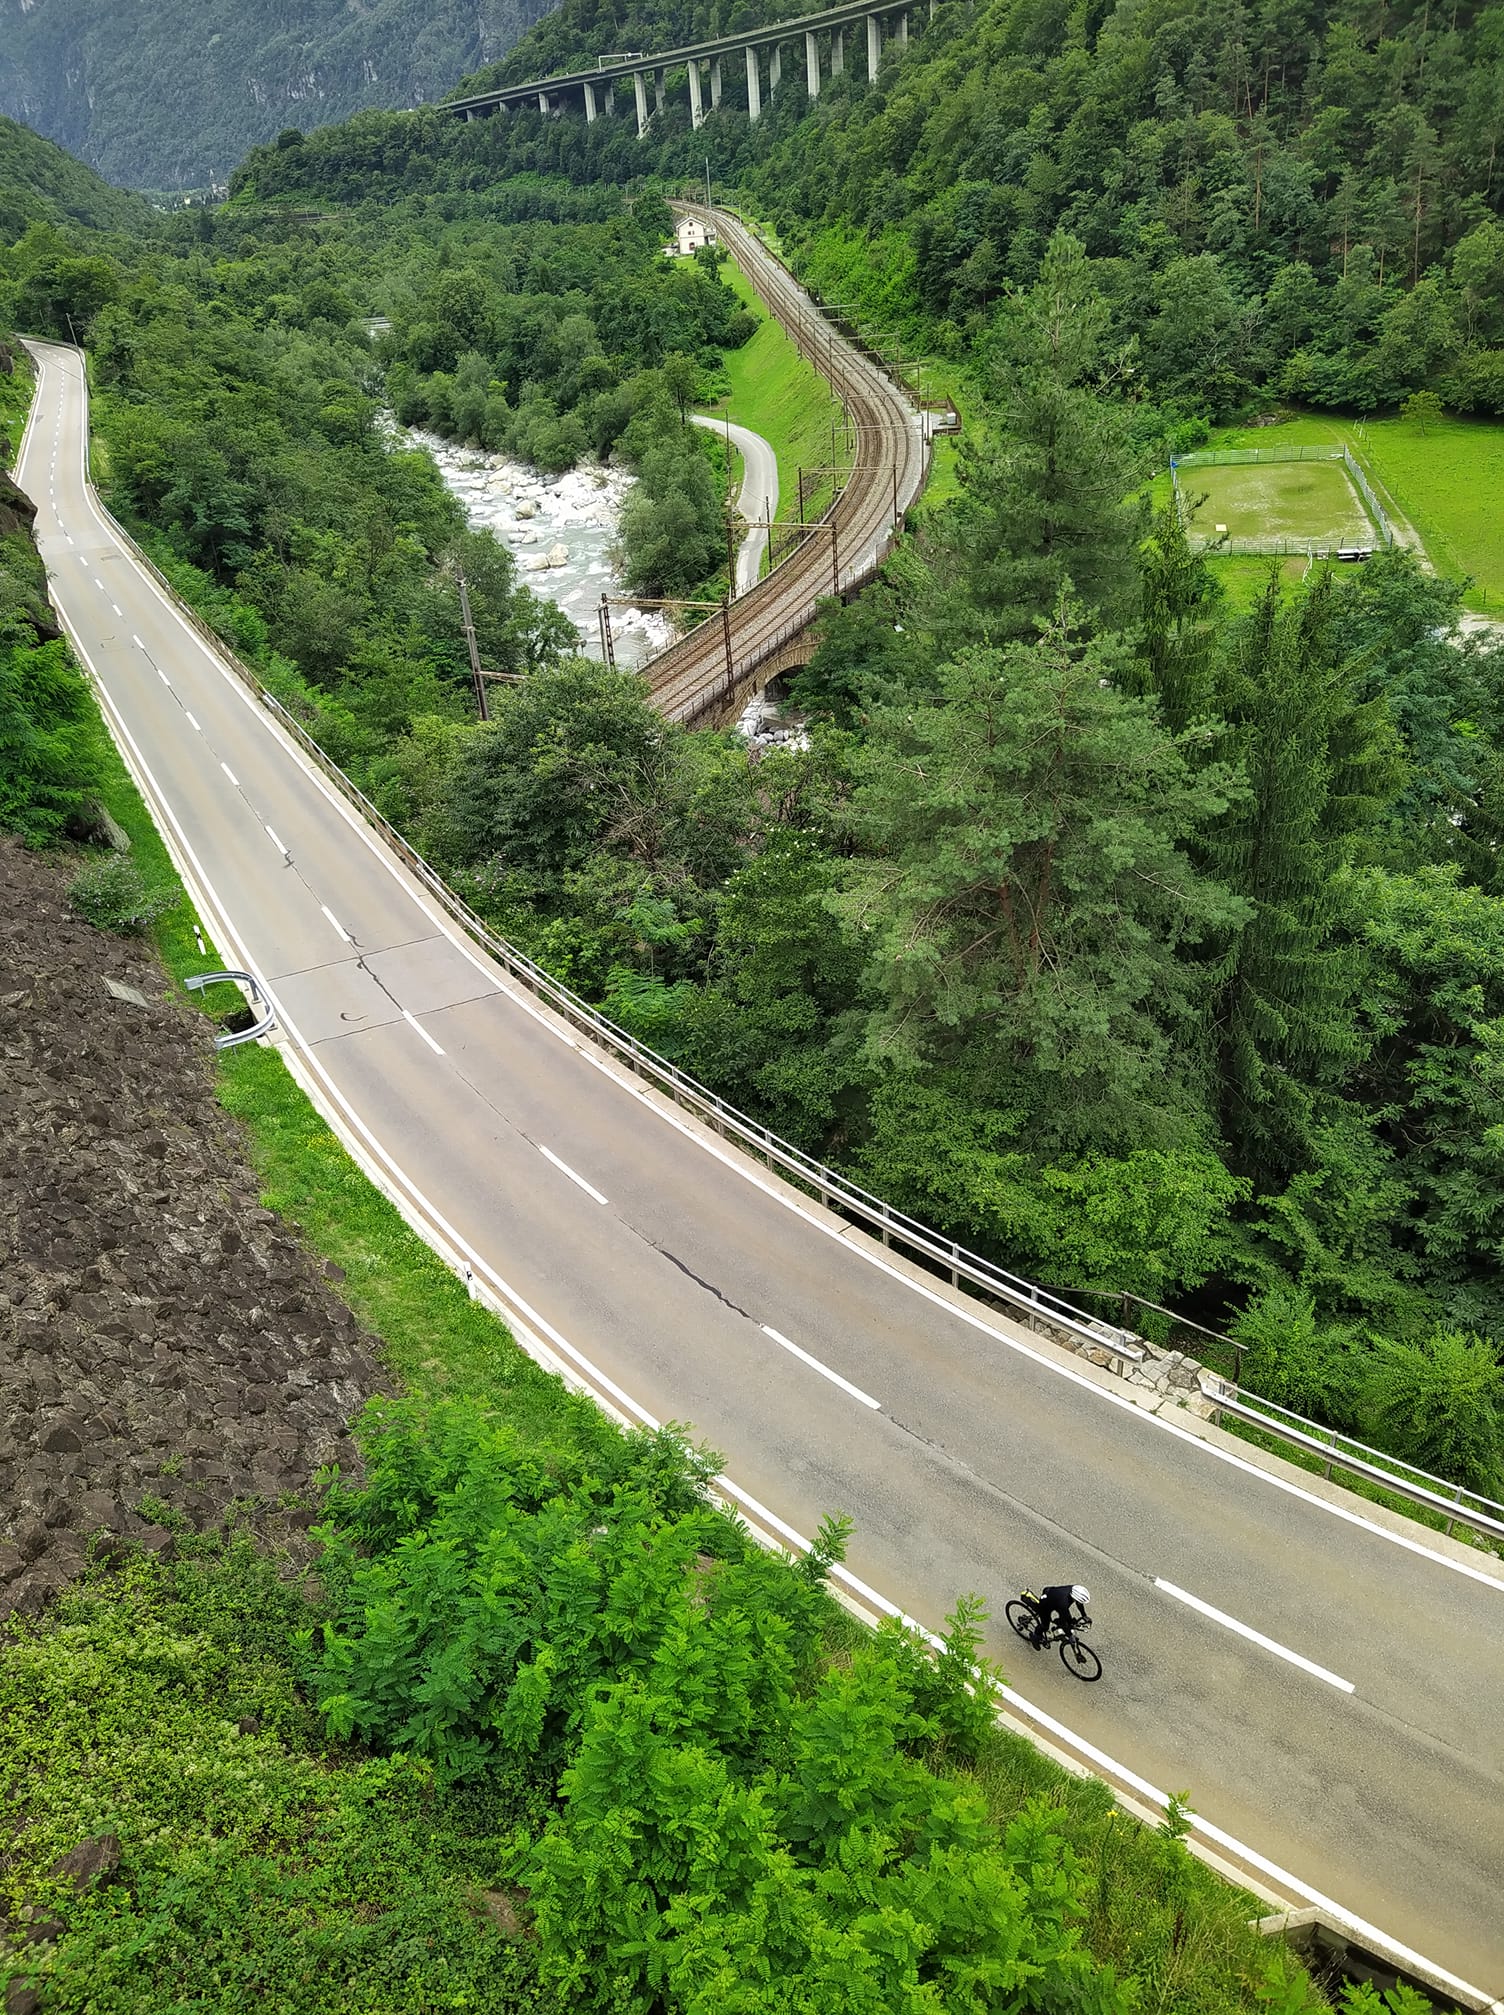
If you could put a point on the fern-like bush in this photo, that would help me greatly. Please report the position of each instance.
(742, 1823)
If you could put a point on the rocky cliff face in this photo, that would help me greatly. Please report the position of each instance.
(169, 94)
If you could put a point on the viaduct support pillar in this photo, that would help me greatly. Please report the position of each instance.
(696, 101)
(543, 103)
(589, 104)
(642, 103)
(874, 46)
(657, 90)
(812, 63)
(837, 51)
(754, 85)
(775, 69)
(715, 83)
(903, 28)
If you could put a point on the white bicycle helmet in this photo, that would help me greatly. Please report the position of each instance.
(1080, 1594)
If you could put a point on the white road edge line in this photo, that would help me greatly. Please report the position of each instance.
(1255, 1636)
(824, 1369)
(342, 1115)
(502, 981)
(230, 774)
(336, 923)
(573, 1174)
(413, 1019)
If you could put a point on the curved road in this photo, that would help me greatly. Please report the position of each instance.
(691, 681)
(756, 496)
(1355, 1740)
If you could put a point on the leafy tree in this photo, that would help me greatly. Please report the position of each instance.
(1435, 996)
(49, 736)
(1423, 410)
(1441, 1403)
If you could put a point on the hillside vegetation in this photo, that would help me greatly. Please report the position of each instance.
(168, 94)
(39, 183)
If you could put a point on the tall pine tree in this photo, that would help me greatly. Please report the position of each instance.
(1321, 766)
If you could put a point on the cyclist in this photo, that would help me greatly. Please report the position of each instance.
(1063, 1606)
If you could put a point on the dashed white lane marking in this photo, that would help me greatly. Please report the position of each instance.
(425, 1035)
(116, 607)
(564, 1169)
(137, 641)
(99, 584)
(824, 1369)
(163, 676)
(1255, 1636)
(336, 923)
(231, 775)
(193, 723)
(275, 841)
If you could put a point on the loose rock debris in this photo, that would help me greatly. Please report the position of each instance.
(163, 1339)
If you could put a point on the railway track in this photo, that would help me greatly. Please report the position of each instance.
(710, 672)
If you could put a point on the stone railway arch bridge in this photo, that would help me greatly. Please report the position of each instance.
(705, 64)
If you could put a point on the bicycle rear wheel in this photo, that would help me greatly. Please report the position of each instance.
(1079, 1659)
(1023, 1619)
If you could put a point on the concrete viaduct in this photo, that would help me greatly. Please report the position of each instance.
(596, 88)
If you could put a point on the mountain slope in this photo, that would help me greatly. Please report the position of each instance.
(168, 94)
(40, 183)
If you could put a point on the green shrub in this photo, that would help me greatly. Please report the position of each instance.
(112, 894)
(1441, 1404)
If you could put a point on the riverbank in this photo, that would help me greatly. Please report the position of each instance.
(562, 531)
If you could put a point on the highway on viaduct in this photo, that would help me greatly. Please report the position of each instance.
(1356, 1740)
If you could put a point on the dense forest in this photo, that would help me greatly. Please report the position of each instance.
(1297, 200)
(39, 183)
(169, 94)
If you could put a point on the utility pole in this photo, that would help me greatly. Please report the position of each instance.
(608, 641)
(481, 708)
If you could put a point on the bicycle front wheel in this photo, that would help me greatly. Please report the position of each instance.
(1080, 1659)
(1022, 1617)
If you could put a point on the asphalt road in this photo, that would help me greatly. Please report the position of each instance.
(971, 1457)
(756, 496)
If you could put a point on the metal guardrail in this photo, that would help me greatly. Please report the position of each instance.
(266, 1016)
(1339, 1451)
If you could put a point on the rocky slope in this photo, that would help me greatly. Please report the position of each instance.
(163, 1339)
(169, 94)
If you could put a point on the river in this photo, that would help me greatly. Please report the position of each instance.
(561, 530)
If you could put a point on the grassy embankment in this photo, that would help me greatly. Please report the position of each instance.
(777, 394)
(15, 399)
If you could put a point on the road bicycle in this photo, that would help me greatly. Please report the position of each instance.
(1078, 1659)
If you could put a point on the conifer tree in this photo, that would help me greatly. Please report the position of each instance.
(1043, 492)
(1023, 892)
(1321, 765)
